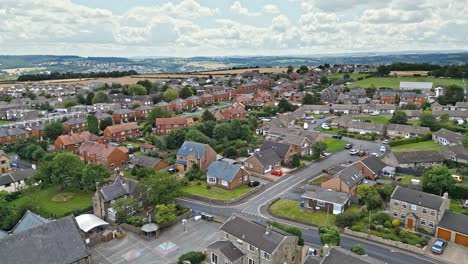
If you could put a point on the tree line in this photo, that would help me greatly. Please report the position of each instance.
(73, 75)
(452, 71)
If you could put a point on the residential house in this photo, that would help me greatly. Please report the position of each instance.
(453, 227)
(165, 125)
(447, 137)
(414, 159)
(143, 161)
(263, 96)
(220, 96)
(10, 135)
(194, 153)
(57, 241)
(356, 95)
(101, 116)
(423, 86)
(105, 154)
(4, 162)
(226, 175)
(412, 98)
(122, 132)
(366, 127)
(342, 121)
(380, 108)
(329, 95)
(406, 131)
(387, 96)
(326, 200)
(141, 100)
(163, 105)
(15, 180)
(124, 115)
(245, 241)
(283, 150)
(72, 142)
(207, 99)
(346, 181)
(370, 166)
(262, 162)
(104, 197)
(417, 209)
(413, 114)
(178, 105)
(75, 125)
(37, 131)
(193, 101)
(142, 112)
(231, 113)
(457, 153)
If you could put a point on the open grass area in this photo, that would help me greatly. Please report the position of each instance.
(456, 206)
(394, 82)
(4, 122)
(334, 145)
(332, 131)
(420, 146)
(354, 76)
(374, 119)
(215, 192)
(53, 201)
(291, 210)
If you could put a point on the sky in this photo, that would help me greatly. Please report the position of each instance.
(188, 28)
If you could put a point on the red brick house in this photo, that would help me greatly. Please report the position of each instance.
(122, 132)
(37, 131)
(163, 105)
(226, 175)
(72, 142)
(123, 116)
(230, 113)
(194, 153)
(370, 166)
(388, 97)
(142, 112)
(262, 162)
(168, 124)
(178, 105)
(193, 101)
(75, 125)
(263, 96)
(345, 181)
(10, 135)
(243, 99)
(220, 96)
(109, 156)
(207, 99)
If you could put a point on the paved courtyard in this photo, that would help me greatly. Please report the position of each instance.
(167, 248)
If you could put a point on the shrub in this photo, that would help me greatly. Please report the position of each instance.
(458, 192)
(136, 220)
(329, 235)
(358, 249)
(347, 218)
(379, 228)
(388, 224)
(380, 218)
(396, 223)
(193, 256)
(404, 141)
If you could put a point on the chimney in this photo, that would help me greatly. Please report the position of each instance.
(268, 230)
(446, 195)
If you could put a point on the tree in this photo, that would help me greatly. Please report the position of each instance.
(65, 169)
(53, 130)
(147, 84)
(347, 218)
(399, 117)
(310, 99)
(101, 97)
(105, 123)
(136, 89)
(162, 188)
(358, 249)
(6, 210)
(93, 173)
(369, 196)
(89, 98)
(346, 76)
(323, 80)
(208, 116)
(185, 92)
(194, 173)
(221, 131)
(231, 152)
(196, 135)
(428, 120)
(93, 126)
(68, 104)
(175, 138)
(80, 99)
(329, 235)
(165, 213)
(437, 180)
(303, 69)
(194, 257)
(285, 106)
(124, 207)
(317, 149)
(452, 94)
(295, 160)
(170, 94)
(290, 69)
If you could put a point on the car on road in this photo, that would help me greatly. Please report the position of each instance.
(439, 246)
(254, 183)
(337, 136)
(277, 172)
(361, 153)
(353, 152)
(375, 154)
(325, 126)
(385, 142)
(322, 116)
(313, 121)
(348, 146)
(383, 149)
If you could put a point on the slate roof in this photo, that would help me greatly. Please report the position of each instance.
(458, 151)
(192, 148)
(449, 135)
(28, 221)
(223, 170)
(281, 149)
(254, 233)
(22, 174)
(173, 121)
(455, 222)
(339, 255)
(418, 156)
(417, 197)
(350, 176)
(118, 188)
(145, 161)
(3, 234)
(6, 179)
(143, 107)
(408, 129)
(102, 115)
(56, 242)
(75, 121)
(267, 157)
(325, 195)
(416, 85)
(6, 132)
(123, 111)
(313, 260)
(229, 250)
(373, 163)
(366, 126)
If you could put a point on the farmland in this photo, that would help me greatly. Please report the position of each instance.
(394, 82)
(354, 76)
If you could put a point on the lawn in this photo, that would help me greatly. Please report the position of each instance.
(4, 122)
(374, 119)
(291, 210)
(407, 178)
(456, 206)
(354, 76)
(332, 131)
(420, 146)
(215, 192)
(394, 82)
(334, 145)
(54, 202)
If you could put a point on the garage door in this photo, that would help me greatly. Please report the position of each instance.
(444, 234)
(461, 239)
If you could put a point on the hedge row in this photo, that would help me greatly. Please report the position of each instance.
(459, 192)
(404, 141)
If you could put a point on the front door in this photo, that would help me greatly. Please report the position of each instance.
(409, 224)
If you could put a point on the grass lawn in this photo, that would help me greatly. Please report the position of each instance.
(407, 178)
(334, 145)
(291, 210)
(215, 192)
(456, 206)
(394, 82)
(4, 122)
(52, 201)
(374, 119)
(354, 76)
(332, 131)
(425, 145)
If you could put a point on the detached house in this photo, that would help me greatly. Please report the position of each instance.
(122, 132)
(262, 162)
(418, 209)
(283, 150)
(165, 125)
(109, 156)
(4, 162)
(447, 137)
(323, 200)
(226, 175)
(414, 159)
(370, 166)
(75, 125)
(123, 116)
(194, 153)
(345, 181)
(72, 142)
(406, 131)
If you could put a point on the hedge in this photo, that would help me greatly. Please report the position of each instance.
(455, 128)
(404, 141)
(458, 192)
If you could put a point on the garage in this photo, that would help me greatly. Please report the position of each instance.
(461, 239)
(444, 234)
(453, 227)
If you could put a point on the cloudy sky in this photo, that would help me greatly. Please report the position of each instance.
(220, 28)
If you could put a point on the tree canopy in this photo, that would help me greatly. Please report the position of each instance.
(136, 89)
(185, 92)
(208, 116)
(93, 126)
(162, 188)
(101, 97)
(170, 94)
(428, 120)
(399, 117)
(452, 95)
(329, 235)
(285, 106)
(53, 130)
(437, 180)
(369, 196)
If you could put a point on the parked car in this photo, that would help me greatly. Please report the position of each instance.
(353, 152)
(337, 136)
(313, 121)
(375, 154)
(322, 116)
(348, 146)
(277, 172)
(439, 246)
(172, 170)
(254, 183)
(385, 142)
(457, 178)
(383, 149)
(374, 114)
(325, 126)
(361, 153)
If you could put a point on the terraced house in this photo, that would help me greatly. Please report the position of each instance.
(165, 125)
(122, 132)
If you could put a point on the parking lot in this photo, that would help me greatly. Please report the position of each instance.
(167, 248)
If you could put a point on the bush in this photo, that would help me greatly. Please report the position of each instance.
(136, 220)
(458, 192)
(194, 257)
(388, 224)
(358, 249)
(347, 218)
(380, 218)
(396, 223)
(329, 235)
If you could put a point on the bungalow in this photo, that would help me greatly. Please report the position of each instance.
(123, 116)
(149, 162)
(16, 180)
(323, 200)
(366, 127)
(342, 121)
(413, 114)
(283, 150)
(453, 227)
(178, 105)
(447, 137)
(226, 175)
(122, 132)
(457, 153)
(194, 153)
(165, 125)
(262, 162)
(370, 166)
(414, 159)
(109, 156)
(406, 131)
(346, 181)
(380, 108)
(72, 142)
(75, 124)
(142, 112)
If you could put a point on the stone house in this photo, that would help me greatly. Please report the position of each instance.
(456, 153)
(326, 200)
(414, 159)
(366, 127)
(4, 162)
(447, 137)
(194, 153)
(226, 175)
(416, 209)
(122, 132)
(109, 156)
(345, 181)
(406, 131)
(262, 162)
(453, 227)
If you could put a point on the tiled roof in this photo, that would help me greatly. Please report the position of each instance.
(454, 222)
(229, 250)
(75, 121)
(28, 221)
(122, 127)
(267, 157)
(174, 121)
(103, 150)
(72, 139)
(418, 156)
(350, 176)
(192, 148)
(449, 135)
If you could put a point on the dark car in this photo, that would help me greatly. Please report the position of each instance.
(172, 170)
(254, 183)
(348, 146)
(322, 116)
(439, 246)
(337, 136)
(361, 153)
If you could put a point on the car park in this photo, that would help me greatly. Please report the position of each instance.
(277, 172)
(383, 149)
(254, 183)
(337, 136)
(353, 152)
(439, 246)
(348, 146)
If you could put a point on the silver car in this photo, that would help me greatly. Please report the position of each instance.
(439, 246)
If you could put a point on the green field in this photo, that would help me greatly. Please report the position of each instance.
(215, 192)
(334, 145)
(42, 201)
(456, 206)
(425, 145)
(374, 119)
(354, 76)
(394, 82)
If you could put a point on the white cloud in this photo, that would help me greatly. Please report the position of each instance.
(270, 9)
(238, 9)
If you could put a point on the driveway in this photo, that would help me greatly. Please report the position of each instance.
(453, 253)
(166, 249)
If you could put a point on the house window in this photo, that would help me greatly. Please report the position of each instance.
(251, 248)
(423, 222)
(265, 255)
(424, 210)
(433, 212)
(431, 224)
(403, 216)
(321, 203)
(396, 203)
(403, 204)
(395, 214)
(212, 180)
(214, 258)
(414, 207)
(251, 261)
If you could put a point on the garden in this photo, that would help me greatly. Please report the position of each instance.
(202, 188)
(334, 145)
